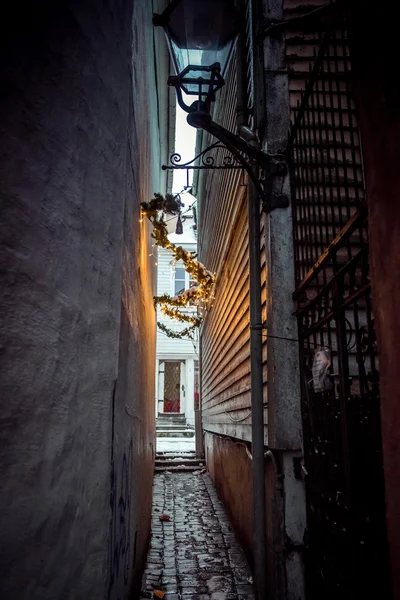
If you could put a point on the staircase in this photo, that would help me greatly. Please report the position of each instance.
(178, 462)
(173, 425)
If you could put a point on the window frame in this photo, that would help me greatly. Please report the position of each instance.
(188, 278)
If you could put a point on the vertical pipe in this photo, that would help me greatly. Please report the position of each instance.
(199, 442)
(257, 401)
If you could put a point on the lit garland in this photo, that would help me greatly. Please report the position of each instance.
(200, 294)
(187, 332)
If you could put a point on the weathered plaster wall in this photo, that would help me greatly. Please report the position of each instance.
(378, 102)
(78, 124)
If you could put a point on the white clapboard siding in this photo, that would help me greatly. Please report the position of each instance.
(168, 347)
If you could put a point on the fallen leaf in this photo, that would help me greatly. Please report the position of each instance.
(159, 593)
(164, 518)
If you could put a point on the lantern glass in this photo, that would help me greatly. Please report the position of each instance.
(202, 32)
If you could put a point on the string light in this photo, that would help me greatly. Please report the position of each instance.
(198, 295)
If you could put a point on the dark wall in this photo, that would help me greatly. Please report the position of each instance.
(77, 324)
(375, 54)
(230, 468)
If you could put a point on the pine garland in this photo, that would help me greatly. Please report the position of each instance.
(200, 294)
(187, 332)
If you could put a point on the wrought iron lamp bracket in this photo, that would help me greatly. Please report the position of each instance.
(242, 155)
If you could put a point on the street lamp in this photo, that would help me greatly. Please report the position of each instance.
(201, 35)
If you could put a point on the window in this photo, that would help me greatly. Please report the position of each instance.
(182, 279)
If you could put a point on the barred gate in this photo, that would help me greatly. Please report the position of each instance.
(345, 546)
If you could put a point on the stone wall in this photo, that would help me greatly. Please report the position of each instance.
(79, 134)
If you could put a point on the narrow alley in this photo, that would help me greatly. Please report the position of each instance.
(194, 553)
(199, 300)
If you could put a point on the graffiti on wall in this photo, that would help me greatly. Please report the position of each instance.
(120, 521)
(119, 539)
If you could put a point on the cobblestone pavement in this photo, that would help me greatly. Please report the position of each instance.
(195, 555)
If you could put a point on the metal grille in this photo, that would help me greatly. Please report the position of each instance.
(341, 419)
(329, 185)
(346, 549)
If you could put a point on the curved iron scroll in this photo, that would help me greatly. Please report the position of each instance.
(242, 155)
(204, 160)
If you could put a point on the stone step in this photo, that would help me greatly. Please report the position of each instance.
(175, 433)
(169, 426)
(171, 423)
(173, 454)
(178, 460)
(174, 428)
(179, 469)
(171, 417)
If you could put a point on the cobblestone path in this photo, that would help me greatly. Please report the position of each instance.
(195, 555)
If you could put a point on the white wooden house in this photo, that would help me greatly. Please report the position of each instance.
(177, 359)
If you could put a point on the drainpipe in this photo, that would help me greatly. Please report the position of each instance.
(199, 441)
(257, 400)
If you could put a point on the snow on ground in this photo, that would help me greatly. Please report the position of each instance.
(175, 445)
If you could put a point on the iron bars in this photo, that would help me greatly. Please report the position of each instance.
(346, 554)
(326, 153)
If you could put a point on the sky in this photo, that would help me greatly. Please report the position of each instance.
(185, 142)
